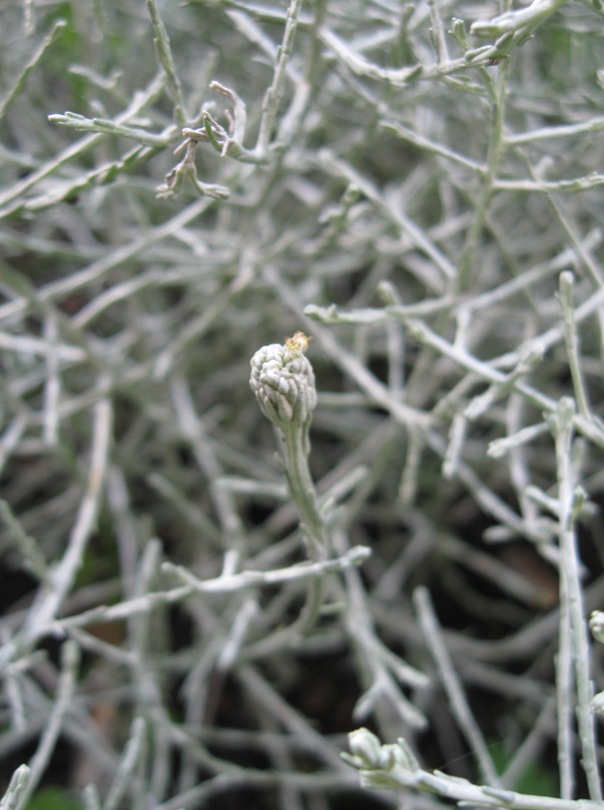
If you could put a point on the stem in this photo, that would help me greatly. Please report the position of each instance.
(452, 685)
(572, 342)
(45, 609)
(273, 94)
(391, 766)
(569, 572)
(496, 147)
(164, 54)
(564, 696)
(70, 655)
(295, 446)
(19, 83)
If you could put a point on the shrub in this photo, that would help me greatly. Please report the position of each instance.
(191, 621)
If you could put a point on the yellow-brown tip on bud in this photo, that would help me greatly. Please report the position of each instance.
(298, 343)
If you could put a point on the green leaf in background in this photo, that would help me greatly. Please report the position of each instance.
(53, 798)
(537, 780)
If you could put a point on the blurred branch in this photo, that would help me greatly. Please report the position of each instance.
(35, 60)
(453, 687)
(16, 194)
(70, 658)
(395, 766)
(521, 23)
(272, 97)
(569, 497)
(82, 124)
(18, 785)
(58, 585)
(164, 53)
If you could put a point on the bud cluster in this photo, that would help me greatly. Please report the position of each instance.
(283, 381)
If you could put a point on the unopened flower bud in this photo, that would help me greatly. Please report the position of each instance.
(283, 381)
(367, 749)
(597, 703)
(596, 625)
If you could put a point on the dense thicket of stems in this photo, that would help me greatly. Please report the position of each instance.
(190, 619)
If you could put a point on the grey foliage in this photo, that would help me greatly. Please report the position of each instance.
(417, 187)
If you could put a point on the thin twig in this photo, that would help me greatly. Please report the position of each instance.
(58, 586)
(562, 425)
(70, 657)
(21, 79)
(272, 97)
(452, 685)
(164, 54)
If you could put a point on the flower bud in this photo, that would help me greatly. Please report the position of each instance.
(368, 750)
(597, 703)
(596, 625)
(283, 381)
